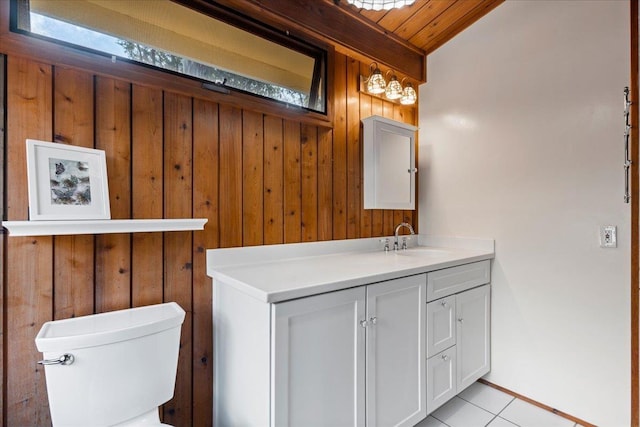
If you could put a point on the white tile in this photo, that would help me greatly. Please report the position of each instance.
(460, 413)
(527, 415)
(501, 422)
(430, 422)
(486, 397)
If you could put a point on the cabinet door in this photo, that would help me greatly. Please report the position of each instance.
(389, 164)
(317, 360)
(441, 379)
(396, 378)
(441, 325)
(473, 335)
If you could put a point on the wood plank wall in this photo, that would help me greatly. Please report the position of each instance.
(258, 178)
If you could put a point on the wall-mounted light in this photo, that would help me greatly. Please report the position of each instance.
(394, 88)
(409, 95)
(380, 4)
(391, 90)
(375, 83)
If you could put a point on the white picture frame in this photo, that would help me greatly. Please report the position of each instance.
(66, 182)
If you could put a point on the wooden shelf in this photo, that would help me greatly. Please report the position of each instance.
(55, 228)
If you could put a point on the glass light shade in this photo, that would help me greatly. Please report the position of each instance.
(394, 89)
(380, 4)
(376, 83)
(409, 95)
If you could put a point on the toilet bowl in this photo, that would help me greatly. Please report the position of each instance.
(111, 369)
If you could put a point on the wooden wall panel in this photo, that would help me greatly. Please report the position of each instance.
(74, 260)
(252, 178)
(3, 101)
(309, 183)
(178, 246)
(28, 261)
(340, 149)
(273, 181)
(325, 184)
(256, 177)
(147, 137)
(354, 162)
(113, 135)
(205, 205)
(292, 201)
(230, 176)
(366, 226)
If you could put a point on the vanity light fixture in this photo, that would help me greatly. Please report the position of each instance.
(394, 88)
(380, 4)
(409, 95)
(376, 83)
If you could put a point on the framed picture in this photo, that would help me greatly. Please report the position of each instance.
(66, 182)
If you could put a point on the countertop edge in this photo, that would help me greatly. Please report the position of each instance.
(286, 295)
(483, 249)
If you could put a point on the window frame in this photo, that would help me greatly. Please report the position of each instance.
(321, 52)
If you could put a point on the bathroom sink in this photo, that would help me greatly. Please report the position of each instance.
(422, 251)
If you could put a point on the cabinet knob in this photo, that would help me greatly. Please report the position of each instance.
(445, 357)
(363, 323)
(460, 319)
(444, 303)
(373, 320)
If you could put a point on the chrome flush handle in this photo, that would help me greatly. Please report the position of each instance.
(65, 359)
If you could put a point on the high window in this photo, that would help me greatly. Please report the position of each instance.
(225, 52)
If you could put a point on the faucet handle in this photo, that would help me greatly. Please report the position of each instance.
(404, 243)
(386, 244)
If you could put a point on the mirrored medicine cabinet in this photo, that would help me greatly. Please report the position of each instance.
(389, 164)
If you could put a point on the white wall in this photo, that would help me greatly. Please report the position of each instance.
(521, 140)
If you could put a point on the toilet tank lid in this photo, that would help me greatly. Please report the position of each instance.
(107, 328)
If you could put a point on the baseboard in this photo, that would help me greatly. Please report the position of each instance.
(538, 404)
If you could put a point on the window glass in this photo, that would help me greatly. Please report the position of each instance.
(168, 35)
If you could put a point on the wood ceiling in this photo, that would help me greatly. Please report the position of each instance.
(399, 39)
(427, 24)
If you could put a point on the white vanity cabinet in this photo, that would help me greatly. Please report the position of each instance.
(458, 331)
(473, 335)
(306, 335)
(318, 365)
(354, 357)
(395, 354)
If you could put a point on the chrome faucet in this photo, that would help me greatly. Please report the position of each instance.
(404, 241)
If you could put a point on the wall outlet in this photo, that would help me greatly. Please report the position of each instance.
(608, 236)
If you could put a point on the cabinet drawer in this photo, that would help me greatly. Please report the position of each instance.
(441, 379)
(441, 327)
(448, 281)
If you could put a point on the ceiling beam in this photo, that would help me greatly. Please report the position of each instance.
(338, 25)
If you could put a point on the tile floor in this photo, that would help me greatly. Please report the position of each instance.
(481, 405)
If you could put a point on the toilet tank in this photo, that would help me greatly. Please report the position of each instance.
(124, 364)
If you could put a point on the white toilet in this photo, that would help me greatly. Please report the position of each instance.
(111, 369)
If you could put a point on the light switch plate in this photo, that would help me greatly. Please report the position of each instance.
(608, 238)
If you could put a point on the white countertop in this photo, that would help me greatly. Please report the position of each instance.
(274, 273)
